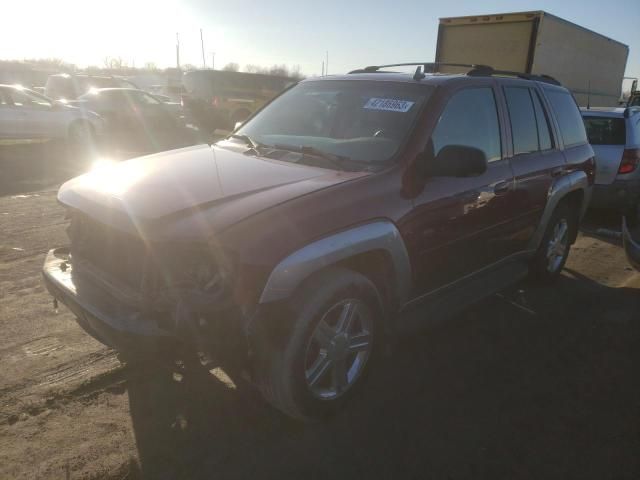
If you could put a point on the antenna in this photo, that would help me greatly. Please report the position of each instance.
(589, 94)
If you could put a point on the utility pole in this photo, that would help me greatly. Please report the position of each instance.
(322, 69)
(177, 50)
(204, 62)
(213, 60)
(326, 67)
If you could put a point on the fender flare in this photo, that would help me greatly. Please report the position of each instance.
(564, 185)
(299, 265)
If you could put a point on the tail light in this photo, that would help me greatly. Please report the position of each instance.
(215, 102)
(630, 160)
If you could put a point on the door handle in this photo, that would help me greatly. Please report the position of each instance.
(501, 188)
(556, 172)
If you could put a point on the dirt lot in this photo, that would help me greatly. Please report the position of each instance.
(532, 383)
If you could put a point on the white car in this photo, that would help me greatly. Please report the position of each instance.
(27, 115)
(614, 134)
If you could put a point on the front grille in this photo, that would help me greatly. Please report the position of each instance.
(122, 256)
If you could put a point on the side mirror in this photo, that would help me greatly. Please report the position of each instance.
(458, 161)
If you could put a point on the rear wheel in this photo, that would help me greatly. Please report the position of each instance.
(329, 347)
(553, 251)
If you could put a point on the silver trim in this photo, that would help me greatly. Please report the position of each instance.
(570, 182)
(380, 235)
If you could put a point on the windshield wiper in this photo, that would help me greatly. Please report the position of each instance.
(246, 139)
(336, 160)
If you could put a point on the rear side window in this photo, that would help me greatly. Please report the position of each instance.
(605, 131)
(568, 116)
(470, 119)
(544, 132)
(524, 129)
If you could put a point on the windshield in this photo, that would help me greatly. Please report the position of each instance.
(361, 122)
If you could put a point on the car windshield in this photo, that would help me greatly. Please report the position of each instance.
(363, 123)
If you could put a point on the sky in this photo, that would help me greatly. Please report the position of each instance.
(292, 32)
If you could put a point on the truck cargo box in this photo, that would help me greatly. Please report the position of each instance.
(589, 64)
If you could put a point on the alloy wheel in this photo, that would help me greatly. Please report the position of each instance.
(558, 245)
(338, 349)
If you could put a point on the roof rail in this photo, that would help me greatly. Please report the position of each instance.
(428, 67)
(475, 70)
(484, 71)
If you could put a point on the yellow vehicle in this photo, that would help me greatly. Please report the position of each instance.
(219, 99)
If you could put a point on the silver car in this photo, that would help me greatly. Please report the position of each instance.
(614, 134)
(27, 115)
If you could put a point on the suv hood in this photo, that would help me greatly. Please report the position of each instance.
(226, 185)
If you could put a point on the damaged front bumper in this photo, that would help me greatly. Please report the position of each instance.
(115, 317)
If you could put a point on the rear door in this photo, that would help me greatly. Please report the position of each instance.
(607, 135)
(535, 156)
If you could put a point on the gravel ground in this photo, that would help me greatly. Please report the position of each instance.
(532, 383)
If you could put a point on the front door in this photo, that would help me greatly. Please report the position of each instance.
(458, 223)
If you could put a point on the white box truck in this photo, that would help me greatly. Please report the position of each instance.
(589, 64)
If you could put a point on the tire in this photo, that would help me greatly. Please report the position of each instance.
(552, 254)
(313, 372)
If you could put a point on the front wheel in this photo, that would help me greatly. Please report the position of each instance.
(329, 347)
(553, 251)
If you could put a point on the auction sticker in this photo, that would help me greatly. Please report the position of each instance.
(388, 104)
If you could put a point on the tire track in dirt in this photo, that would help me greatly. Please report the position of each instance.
(62, 383)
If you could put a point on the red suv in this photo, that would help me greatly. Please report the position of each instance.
(295, 248)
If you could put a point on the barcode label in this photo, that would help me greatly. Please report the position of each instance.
(388, 104)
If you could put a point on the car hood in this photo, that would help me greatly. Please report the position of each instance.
(227, 186)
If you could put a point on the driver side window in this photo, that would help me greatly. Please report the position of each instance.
(470, 119)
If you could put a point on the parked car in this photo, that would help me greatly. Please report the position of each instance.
(135, 119)
(614, 134)
(217, 99)
(25, 114)
(64, 86)
(348, 209)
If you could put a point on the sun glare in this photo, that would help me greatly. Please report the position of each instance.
(113, 177)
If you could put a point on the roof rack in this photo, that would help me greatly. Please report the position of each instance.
(484, 71)
(475, 70)
(428, 67)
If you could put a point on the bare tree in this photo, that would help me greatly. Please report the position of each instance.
(150, 66)
(51, 63)
(115, 63)
(251, 68)
(231, 67)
